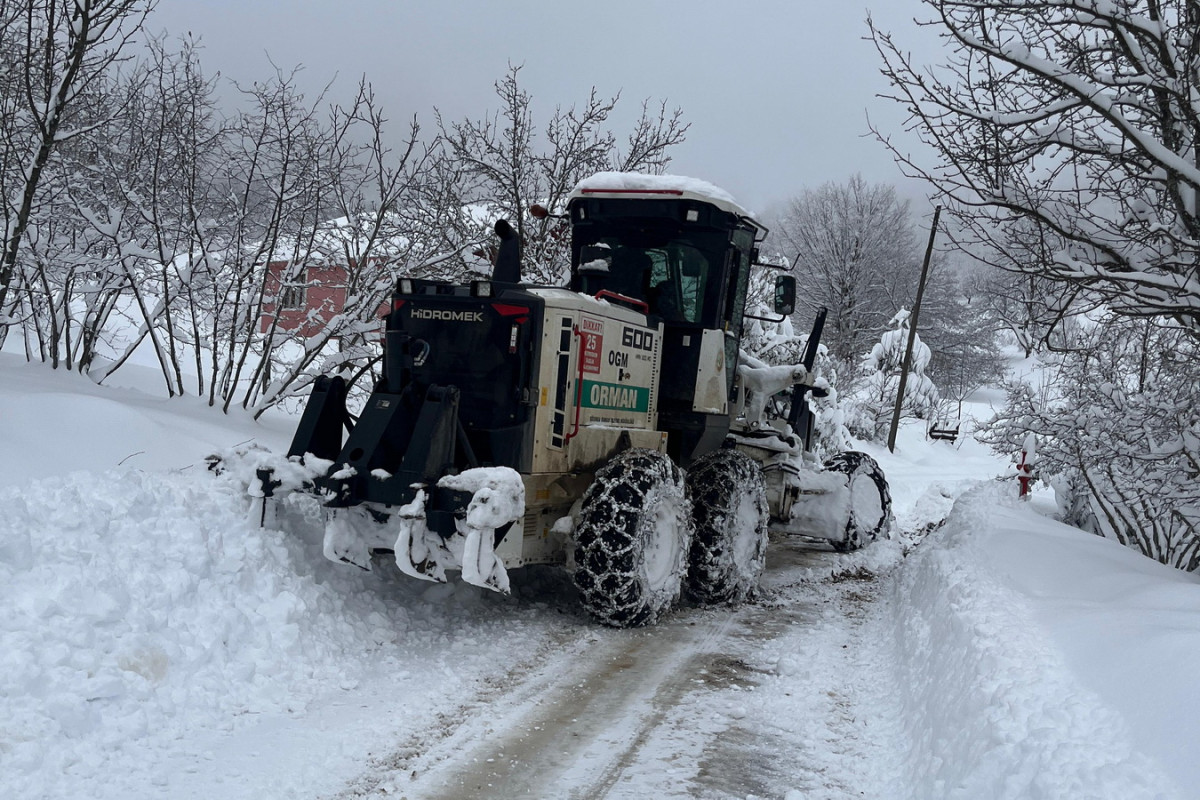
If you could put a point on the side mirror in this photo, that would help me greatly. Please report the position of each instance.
(785, 294)
(538, 211)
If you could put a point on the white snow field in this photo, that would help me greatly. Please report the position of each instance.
(155, 642)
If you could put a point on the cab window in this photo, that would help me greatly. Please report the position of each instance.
(678, 277)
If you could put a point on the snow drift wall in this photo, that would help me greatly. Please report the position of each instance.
(990, 708)
(142, 608)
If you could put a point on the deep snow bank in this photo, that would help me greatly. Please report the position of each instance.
(53, 422)
(141, 609)
(993, 707)
(141, 605)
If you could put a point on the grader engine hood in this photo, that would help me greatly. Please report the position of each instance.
(599, 378)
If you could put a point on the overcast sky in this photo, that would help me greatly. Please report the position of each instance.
(777, 91)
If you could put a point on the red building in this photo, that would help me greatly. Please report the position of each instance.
(304, 303)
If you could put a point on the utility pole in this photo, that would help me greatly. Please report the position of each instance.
(912, 332)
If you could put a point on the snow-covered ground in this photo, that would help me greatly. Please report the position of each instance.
(155, 642)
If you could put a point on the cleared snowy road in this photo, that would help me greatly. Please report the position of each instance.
(572, 728)
(667, 711)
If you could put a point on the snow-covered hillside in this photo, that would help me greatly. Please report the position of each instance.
(155, 642)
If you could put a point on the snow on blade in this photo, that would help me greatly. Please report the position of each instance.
(497, 498)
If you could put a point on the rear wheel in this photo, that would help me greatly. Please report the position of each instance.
(729, 549)
(869, 503)
(632, 539)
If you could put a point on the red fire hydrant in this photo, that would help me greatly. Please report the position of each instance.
(1025, 465)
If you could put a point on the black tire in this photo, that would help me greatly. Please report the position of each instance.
(869, 512)
(729, 548)
(632, 538)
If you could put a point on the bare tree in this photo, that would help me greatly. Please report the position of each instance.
(1079, 119)
(1033, 310)
(149, 198)
(55, 52)
(854, 251)
(962, 337)
(390, 213)
(510, 169)
(278, 179)
(165, 220)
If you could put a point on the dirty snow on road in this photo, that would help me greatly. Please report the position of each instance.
(157, 643)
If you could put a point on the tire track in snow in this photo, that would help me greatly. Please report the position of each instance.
(600, 717)
(567, 729)
(806, 708)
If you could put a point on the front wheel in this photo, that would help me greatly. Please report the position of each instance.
(729, 506)
(868, 501)
(632, 539)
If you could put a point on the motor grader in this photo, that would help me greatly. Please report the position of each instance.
(613, 426)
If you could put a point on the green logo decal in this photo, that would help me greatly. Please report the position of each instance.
(614, 396)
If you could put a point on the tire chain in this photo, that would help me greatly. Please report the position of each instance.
(850, 463)
(708, 482)
(607, 537)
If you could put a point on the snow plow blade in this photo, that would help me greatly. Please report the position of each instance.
(383, 461)
(320, 429)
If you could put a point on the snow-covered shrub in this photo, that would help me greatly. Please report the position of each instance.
(1118, 421)
(874, 401)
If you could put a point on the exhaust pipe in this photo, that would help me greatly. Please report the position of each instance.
(508, 257)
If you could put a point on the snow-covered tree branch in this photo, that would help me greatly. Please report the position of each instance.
(1119, 434)
(854, 253)
(55, 53)
(508, 168)
(1080, 119)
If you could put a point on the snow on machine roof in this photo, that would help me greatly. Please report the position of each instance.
(633, 184)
